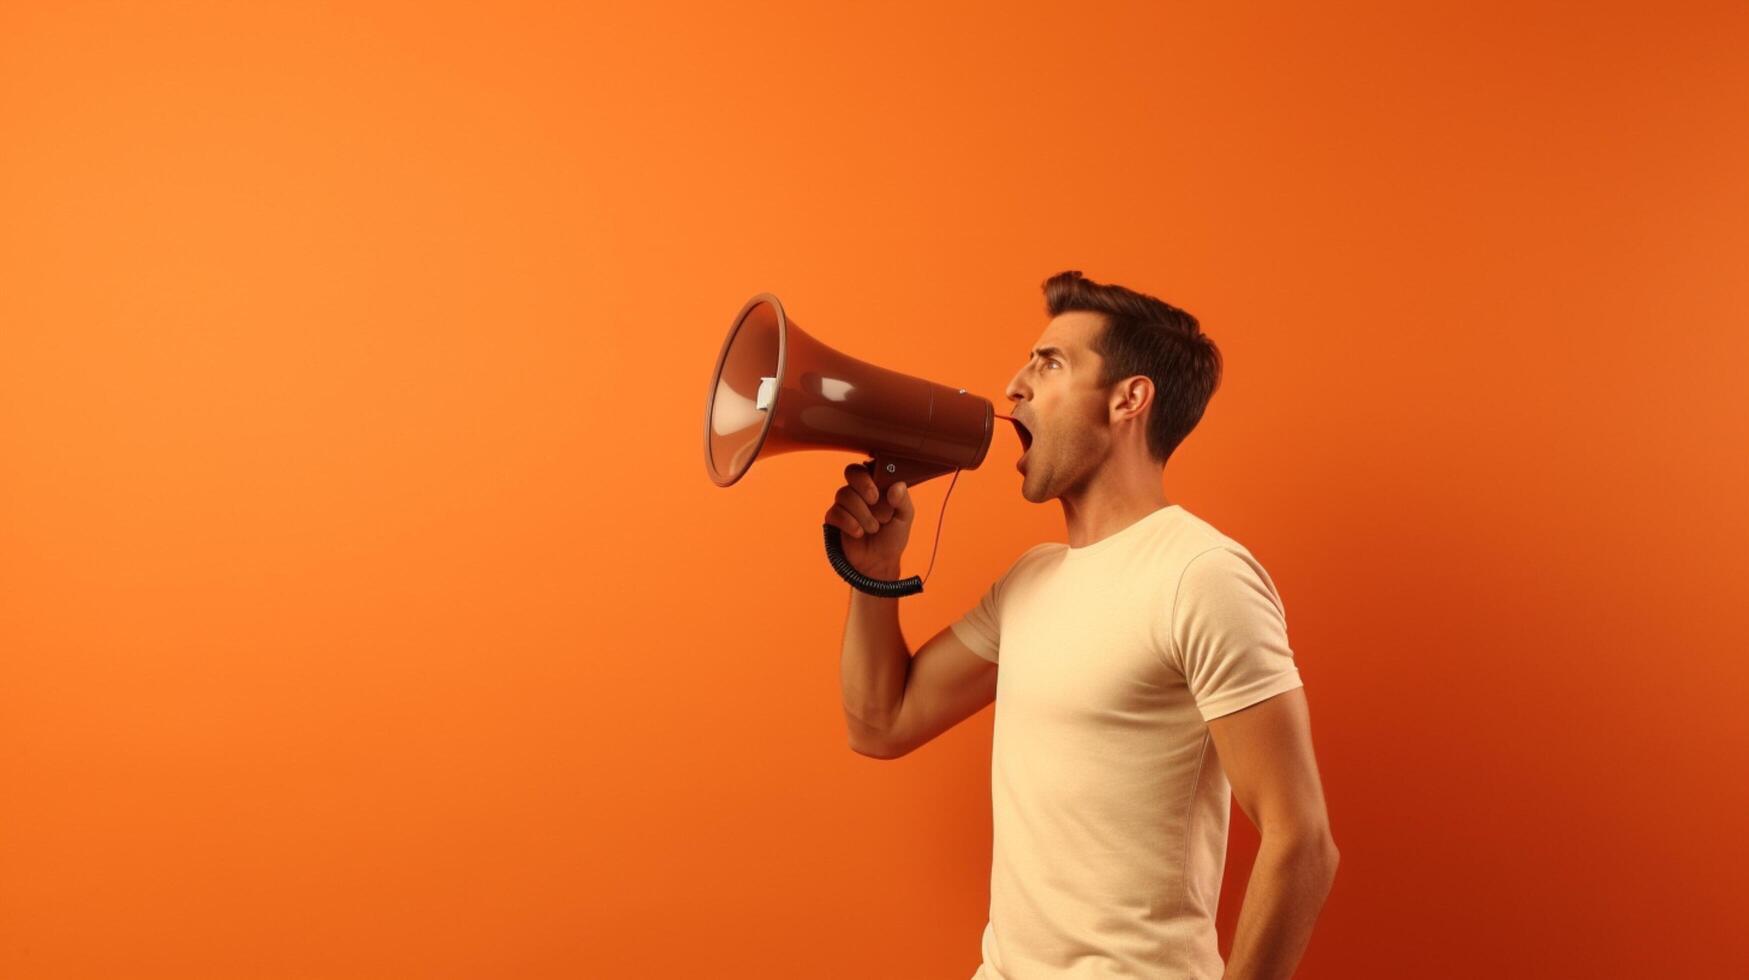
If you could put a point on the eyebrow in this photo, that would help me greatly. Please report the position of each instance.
(1049, 351)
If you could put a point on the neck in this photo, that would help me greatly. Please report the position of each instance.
(1112, 499)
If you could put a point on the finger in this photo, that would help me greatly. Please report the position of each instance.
(883, 511)
(857, 507)
(899, 495)
(841, 519)
(857, 476)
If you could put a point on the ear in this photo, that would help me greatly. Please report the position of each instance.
(1132, 397)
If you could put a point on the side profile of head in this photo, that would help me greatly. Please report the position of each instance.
(1117, 379)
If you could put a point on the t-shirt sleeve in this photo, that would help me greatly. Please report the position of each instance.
(1229, 633)
(980, 629)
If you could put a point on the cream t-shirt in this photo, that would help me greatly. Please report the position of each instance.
(1108, 803)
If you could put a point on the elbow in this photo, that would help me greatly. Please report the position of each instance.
(876, 749)
(871, 739)
(1329, 856)
(1320, 848)
(1314, 849)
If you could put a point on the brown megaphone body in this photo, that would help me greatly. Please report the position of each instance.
(778, 390)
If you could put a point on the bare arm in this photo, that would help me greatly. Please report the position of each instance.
(894, 701)
(1266, 751)
(874, 665)
(944, 684)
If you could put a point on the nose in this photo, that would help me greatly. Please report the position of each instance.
(1015, 391)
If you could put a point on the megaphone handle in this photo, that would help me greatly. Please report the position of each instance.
(884, 588)
(886, 471)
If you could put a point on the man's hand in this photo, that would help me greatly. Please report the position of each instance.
(875, 531)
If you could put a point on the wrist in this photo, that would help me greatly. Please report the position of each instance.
(886, 570)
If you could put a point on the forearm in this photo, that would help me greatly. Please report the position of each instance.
(1289, 882)
(875, 663)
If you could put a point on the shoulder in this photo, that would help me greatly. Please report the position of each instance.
(1205, 557)
(1198, 534)
(1036, 557)
(1225, 580)
(1040, 550)
(1198, 539)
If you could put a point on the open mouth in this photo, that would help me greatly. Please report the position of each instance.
(1021, 430)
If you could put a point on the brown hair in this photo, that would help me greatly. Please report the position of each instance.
(1147, 336)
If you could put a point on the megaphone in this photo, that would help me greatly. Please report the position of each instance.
(776, 390)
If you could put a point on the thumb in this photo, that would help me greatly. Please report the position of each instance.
(899, 495)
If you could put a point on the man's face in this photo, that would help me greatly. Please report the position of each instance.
(1057, 399)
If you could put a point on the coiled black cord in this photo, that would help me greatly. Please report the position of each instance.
(883, 588)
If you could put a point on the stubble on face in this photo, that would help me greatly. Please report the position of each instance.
(1075, 451)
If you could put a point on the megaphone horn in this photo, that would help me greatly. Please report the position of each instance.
(776, 389)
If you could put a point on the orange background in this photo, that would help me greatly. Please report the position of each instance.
(365, 609)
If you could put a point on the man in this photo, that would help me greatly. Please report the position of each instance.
(1145, 676)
